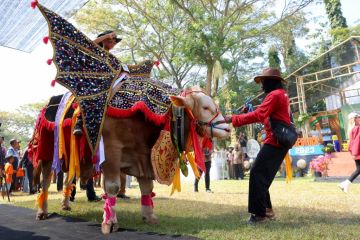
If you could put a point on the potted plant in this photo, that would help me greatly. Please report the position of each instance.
(320, 165)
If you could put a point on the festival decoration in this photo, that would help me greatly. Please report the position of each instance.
(84, 68)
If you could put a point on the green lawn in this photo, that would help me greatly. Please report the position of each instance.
(305, 210)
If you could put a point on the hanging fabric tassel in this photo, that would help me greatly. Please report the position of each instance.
(53, 83)
(49, 61)
(33, 4)
(46, 39)
(288, 168)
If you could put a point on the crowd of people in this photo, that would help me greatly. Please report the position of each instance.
(16, 169)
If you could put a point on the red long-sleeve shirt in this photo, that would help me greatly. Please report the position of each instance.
(276, 105)
(354, 144)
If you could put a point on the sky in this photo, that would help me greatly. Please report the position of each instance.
(26, 78)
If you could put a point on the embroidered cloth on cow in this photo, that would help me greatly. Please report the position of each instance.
(84, 68)
(164, 158)
(140, 93)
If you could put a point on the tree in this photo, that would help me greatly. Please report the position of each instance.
(274, 60)
(150, 29)
(20, 124)
(185, 34)
(339, 28)
(219, 27)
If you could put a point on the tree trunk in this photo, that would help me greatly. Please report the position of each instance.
(209, 78)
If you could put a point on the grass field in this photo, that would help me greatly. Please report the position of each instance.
(305, 210)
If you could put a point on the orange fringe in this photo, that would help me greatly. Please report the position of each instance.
(42, 197)
(67, 191)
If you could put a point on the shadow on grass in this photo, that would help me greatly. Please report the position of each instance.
(183, 217)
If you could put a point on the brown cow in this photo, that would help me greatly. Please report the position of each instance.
(128, 143)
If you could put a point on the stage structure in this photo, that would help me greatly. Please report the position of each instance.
(333, 76)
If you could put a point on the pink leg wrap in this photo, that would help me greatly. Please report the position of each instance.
(109, 209)
(146, 200)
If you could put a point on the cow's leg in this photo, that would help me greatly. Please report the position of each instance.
(42, 212)
(111, 185)
(68, 186)
(147, 205)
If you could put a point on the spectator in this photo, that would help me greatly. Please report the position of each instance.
(14, 151)
(243, 142)
(230, 159)
(28, 167)
(238, 162)
(207, 147)
(354, 148)
(9, 171)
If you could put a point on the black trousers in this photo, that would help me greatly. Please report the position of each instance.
(262, 173)
(60, 181)
(238, 171)
(207, 176)
(29, 170)
(90, 191)
(356, 173)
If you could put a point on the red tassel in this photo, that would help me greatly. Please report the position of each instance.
(46, 39)
(49, 61)
(34, 3)
(75, 105)
(157, 63)
(53, 83)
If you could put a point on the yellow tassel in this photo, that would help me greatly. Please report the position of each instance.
(42, 197)
(191, 159)
(62, 148)
(288, 168)
(67, 191)
(74, 164)
(176, 185)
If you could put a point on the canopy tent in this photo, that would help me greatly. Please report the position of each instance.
(22, 28)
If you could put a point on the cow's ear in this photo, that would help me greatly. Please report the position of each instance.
(180, 101)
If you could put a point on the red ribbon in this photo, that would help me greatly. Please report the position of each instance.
(146, 200)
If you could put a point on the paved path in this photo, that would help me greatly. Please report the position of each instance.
(18, 223)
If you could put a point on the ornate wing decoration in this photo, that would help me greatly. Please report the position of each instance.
(84, 68)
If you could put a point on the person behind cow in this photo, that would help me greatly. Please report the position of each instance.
(28, 167)
(14, 151)
(106, 40)
(238, 162)
(271, 155)
(207, 151)
(354, 148)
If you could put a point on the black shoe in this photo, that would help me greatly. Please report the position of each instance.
(95, 199)
(123, 196)
(254, 219)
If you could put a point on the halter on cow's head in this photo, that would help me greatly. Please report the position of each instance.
(204, 111)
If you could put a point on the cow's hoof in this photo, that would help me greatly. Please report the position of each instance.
(107, 228)
(41, 216)
(66, 208)
(152, 220)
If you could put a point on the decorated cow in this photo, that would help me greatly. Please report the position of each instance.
(138, 126)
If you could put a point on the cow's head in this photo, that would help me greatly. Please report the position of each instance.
(204, 110)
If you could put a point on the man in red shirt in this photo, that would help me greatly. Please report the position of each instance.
(271, 155)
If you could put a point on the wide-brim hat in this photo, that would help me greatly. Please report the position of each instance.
(117, 39)
(12, 141)
(269, 73)
(353, 115)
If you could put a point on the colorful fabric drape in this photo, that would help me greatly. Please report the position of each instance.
(288, 168)
(56, 165)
